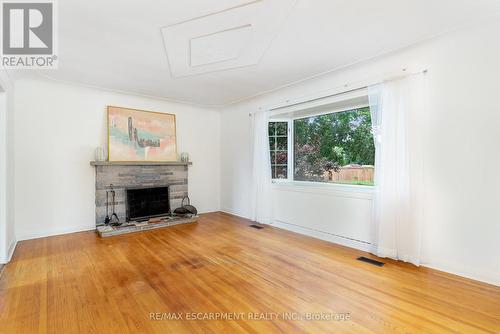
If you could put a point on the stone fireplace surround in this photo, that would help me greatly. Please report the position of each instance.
(125, 175)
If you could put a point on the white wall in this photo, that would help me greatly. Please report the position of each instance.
(462, 232)
(7, 230)
(57, 127)
(11, 239)
(3, 177)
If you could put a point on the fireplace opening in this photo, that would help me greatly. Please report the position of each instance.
(145, 203)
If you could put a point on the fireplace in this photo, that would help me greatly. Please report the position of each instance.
(144, 203)
(138, 175)
(142, 190)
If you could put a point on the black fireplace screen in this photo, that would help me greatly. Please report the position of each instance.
(146, 203)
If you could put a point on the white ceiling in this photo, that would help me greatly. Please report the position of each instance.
(220, 41)
(223, 51)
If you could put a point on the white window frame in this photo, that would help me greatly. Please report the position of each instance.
(289, 182)
(289, 168)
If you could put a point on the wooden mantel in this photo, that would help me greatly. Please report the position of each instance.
(140, 163)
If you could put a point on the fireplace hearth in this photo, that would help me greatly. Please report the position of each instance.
(131, 227)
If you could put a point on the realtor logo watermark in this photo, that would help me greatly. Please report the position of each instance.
(28, 35)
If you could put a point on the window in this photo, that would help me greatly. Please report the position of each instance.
(336, 148)
(278, 144)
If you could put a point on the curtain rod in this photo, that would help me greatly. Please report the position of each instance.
(397, 77)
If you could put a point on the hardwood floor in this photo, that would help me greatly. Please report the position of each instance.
(79, 283)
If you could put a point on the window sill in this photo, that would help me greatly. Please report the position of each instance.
(332, 189)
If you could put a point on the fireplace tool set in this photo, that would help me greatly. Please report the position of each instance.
(112, 220)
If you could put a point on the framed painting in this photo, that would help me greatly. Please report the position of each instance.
(140, 135)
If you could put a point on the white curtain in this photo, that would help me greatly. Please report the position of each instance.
(261, 171)
(398, 108)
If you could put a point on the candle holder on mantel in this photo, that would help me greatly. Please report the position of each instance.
(184, 157)
(99, 154)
